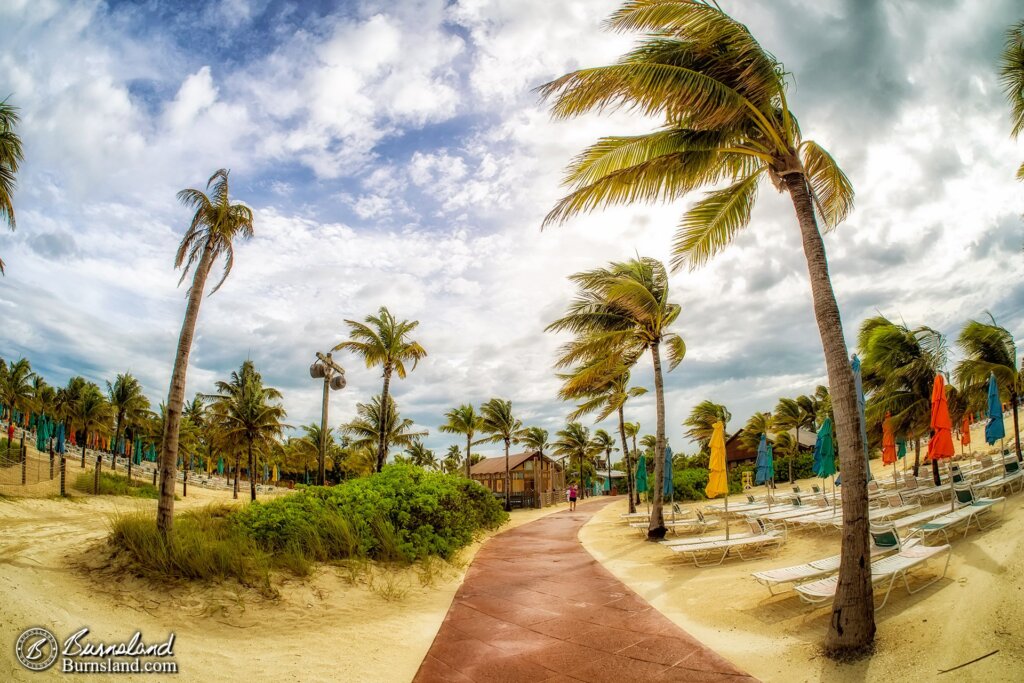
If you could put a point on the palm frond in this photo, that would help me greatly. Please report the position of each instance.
(831, 189)
(1011, 76)
(711, 224)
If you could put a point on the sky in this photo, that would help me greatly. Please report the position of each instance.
(396, 154)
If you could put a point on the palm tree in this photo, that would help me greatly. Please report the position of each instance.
(452, 459)
(757, 424)
(794, 414)
(421, 456)
(625, 309)
(215, 225)
(126, 400)
(195, 415)
(497, 421)
(16, 388)
(534, 439)
(1011, 74)
(722, 98)
(605, 392)
(574, 443)
(604, 442)
(990, 349)
(701, 423)
(899, 368)
(632, 429)
(10, 158)
(92, 410)
(382, 340)
(373, 427)
(463, 420)
(247, 413)
(649, 443)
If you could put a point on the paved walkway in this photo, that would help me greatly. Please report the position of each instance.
(535, 606)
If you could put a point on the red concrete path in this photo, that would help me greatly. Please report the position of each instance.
(535, 606)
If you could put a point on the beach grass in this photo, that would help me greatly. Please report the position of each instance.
(114, 485)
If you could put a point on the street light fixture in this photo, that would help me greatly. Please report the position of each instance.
(334, 378)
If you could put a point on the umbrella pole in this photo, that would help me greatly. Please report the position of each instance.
(727, 516)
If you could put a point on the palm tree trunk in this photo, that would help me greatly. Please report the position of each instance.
(238, 472)
(382, 454)
(252, 475)
(117, 438)
(99, 465)
(852, 627)
(636, 494)
(1016, 425)
(469, 442)
(508, 481)
(917, 455)
(656, 531)
(130, 458)
(625, 458)
(176, 396)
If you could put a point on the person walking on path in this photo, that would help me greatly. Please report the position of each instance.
(572, 497)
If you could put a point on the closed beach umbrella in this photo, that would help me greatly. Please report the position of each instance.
(60, 437)
(220, 465)
(718, 478)
(763, 467)
(277, 474)
(940, 445)
(825, 455)
(667, 490)
(641, 474)
(889, 445)
(861, 404)
(994, 429)
(965, 433)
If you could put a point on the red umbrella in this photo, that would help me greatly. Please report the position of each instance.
(941, 443)
(889, 445)
(965, 433)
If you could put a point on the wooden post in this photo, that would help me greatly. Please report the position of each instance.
(24, 460)
(321, 477)
(154, 475)
(63, 475)
(51, 461)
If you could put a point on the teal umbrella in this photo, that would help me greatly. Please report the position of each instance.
(994, 429)
(825, 455)
(861, 404)
(220, 467)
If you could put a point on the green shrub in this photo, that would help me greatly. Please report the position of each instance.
(114, 485)
(689, 484)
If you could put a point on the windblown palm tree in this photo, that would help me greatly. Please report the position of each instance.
(990, 349)
(452, 460)
(757, 424)
(463, 420)
(632, 431)
(127, 401)
(92, 411)
(247, 414)
(604, 442)
(1011, 75)
(534, 439)
(16, 387)
(215, 225)
(11, 157)
(421, 456)
(382, 340)
(498, 421)
(722, 98)
(195, 414)
(373, 427)
(575, 443)
(796, 414)
(625, 309)
(701, 422)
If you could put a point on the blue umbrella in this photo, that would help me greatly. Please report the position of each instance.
(764, 466)
(860, 409)
(994, 429)
(667, 489)
(60, 437)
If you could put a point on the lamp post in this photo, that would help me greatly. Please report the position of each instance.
(334, 378)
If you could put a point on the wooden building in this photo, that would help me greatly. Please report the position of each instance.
(537, 480)
(737, 454)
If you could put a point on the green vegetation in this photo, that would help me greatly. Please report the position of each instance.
(402, 514)
(115, 485)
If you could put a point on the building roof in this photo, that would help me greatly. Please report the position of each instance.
(496, 465)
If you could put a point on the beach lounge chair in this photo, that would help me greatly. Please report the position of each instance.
(882, 544)
(1012, 476)
(884, 571)
(914, 488)
(797, 510)
(756, 543)
(896, 507)
(684, 525)
(971, 509)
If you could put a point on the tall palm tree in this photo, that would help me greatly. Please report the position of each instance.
(625, 309)
(722, 98)
(603, 441)
(127, 401)
(1011, 75)
(796, 414)
(382, 340)
(575, 443)
(452, 459)
(196, 414)
(373, 427)
(501, 425)
(701, 422)
(215, 225)
(421, 456)
(463, 420)
(899, 365)
(605, 392)
(534, 439)
(990, 349)
(92, 411)
(11, 157)
(16, 387)
(247, 413)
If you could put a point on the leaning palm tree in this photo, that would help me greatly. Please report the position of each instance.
(632, 431)
(373, 427)
(382, 340)
(11, 157)
(211, 235)
(127, 401)
(463, 420)
(625, 309)
(757, 424)
(501, 425)
(726, 119)
(1011, 75)
(603, 442)
(605, 392)
(990, 349)
(16, 387)
(575, 443)
(247, 414)
(701, 422)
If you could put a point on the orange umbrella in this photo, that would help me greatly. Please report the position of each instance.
(889, 445)
(941, 444)
(965, 432)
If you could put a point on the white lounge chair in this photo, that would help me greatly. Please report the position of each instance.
(885, 571)
(686, 525)
(709, 553)
(970, 510)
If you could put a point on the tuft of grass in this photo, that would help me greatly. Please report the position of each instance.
(114, 485)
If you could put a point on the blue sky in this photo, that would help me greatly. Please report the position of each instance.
(396, 155)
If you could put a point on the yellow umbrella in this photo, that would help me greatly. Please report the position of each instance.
(276, 473)
(718, 481)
